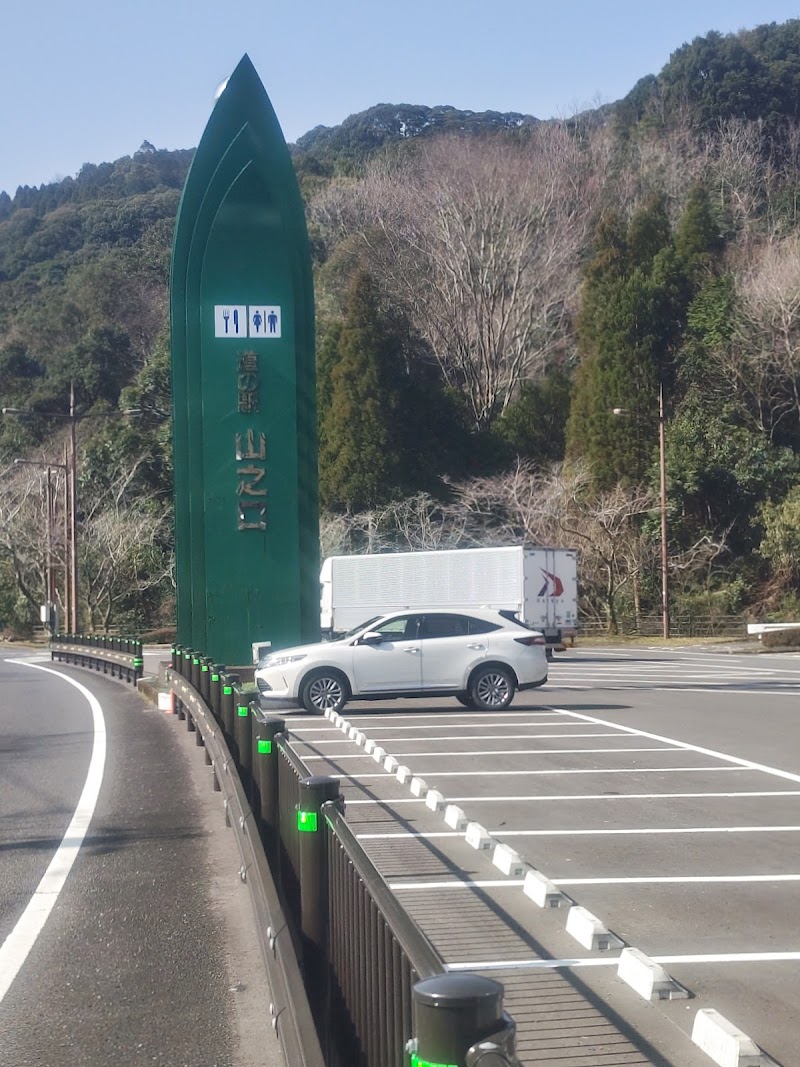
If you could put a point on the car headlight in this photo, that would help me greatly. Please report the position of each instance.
(281, 661)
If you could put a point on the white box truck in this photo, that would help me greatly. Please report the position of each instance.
(539, 584)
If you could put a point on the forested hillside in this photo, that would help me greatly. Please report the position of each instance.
(489, 289)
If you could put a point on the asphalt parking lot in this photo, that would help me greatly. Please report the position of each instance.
(657, 789)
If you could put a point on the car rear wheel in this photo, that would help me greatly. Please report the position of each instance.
(324, 690)
(491, 688)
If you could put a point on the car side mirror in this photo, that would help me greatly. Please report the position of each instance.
(372, 637)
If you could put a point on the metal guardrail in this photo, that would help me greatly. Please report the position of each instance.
(376, 955)
(372, 979)
(291, 1012)
(118, 656)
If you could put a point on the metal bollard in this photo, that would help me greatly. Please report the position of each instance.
(205, 679)
(215, 691)
(459, 1022)
(194, 678)
(266, 778)
(314, 792)
(228, 711)
(243, 736)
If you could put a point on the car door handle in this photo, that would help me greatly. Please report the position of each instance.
(478, 647)
(410, 651)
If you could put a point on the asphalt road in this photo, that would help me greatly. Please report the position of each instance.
(659, 789)
(129, 940)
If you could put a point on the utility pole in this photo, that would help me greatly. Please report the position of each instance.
(662, 466)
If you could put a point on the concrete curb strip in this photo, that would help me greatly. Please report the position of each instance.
(542, 891)
(508, 861)
(725, 1044)
(478, 836)
(589, 931)
(648, 978)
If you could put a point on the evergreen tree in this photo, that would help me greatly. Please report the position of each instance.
(631, 320)
(367, 453)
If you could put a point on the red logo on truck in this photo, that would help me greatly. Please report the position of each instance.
(553, 586)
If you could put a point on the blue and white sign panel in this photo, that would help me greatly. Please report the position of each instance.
(238, 320)
(230, 320)
(265, 321)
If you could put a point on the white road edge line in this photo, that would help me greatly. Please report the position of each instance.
(16, 947)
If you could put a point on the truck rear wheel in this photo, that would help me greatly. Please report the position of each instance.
(324, 690)
(491, 688)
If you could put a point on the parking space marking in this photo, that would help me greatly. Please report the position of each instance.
(613, 961)
(589, 770)
(687, 746)
(476, 737)
(594, 833)
(679, 879)
(474, 725)
(477, 799)
(498, 752)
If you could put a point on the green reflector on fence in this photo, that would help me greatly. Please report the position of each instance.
(138, 662)
(214, 677)
(242, 709)
(227, 690)
(307, 821)
(196, 661)
(417, 1062)
(264, 747)
(203, 666)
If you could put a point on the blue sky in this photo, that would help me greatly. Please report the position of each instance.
(87, 82)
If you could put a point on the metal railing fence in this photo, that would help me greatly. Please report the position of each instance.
(371, 978)
(375, 956)
(682, 624)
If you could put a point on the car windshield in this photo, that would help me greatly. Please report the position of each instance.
(361, 626)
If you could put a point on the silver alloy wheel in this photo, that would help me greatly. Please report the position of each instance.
(493, 689)
(324, 693)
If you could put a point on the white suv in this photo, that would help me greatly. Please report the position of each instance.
(480, 657)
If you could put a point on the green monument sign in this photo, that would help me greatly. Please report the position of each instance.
(243, 382)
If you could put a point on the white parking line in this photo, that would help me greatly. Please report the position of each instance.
(477, 799)
(681, 879)
(747, 764)
(495, 752)
(669, 688)
(475, 737)
(613, 961)
(590, 770)
(16, 947)
(478, 725)
(593, 833)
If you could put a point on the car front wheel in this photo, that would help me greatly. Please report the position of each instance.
(324, 691)
(491, 688)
